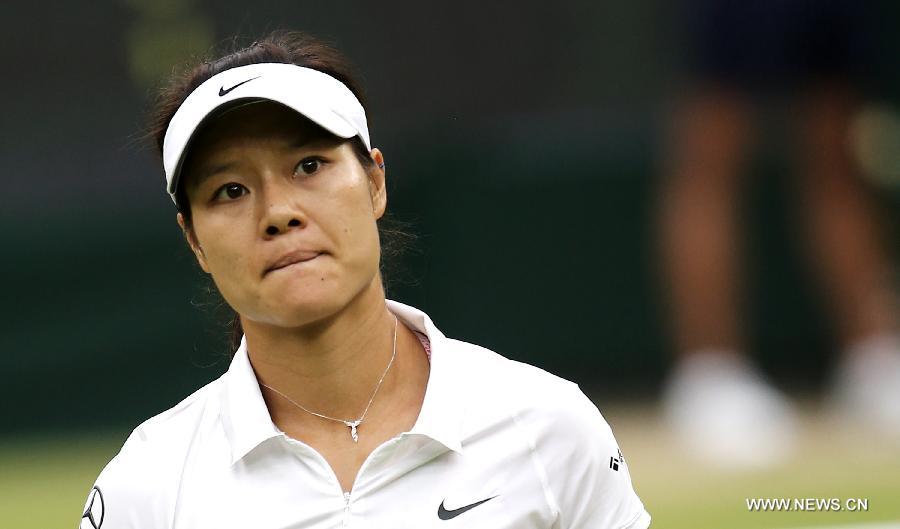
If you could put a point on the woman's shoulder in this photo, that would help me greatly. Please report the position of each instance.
(134, 485)
(489, 366)
(176, 423)
(575, 454)
(156, 439)
(170, 431)
(512, 386)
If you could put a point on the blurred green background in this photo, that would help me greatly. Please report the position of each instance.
(522, 144)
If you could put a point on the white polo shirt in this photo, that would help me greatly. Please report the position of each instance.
(498, 444)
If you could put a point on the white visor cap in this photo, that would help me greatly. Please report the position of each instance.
(323, 99)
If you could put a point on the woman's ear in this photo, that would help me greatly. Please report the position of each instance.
(191, 239)
(377, 183)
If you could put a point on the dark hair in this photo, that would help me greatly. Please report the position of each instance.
(290, 47)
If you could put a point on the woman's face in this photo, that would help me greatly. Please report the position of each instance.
(283, 215)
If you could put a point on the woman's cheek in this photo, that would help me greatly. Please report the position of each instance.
(230, 272)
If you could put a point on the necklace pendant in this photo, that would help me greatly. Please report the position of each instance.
(352, 425)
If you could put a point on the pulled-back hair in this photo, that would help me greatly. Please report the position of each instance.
(290, 47)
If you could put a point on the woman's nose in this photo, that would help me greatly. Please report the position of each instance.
(276, 228)
(283, 206)
(282, 213)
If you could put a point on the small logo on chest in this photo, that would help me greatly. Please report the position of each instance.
(444, 514)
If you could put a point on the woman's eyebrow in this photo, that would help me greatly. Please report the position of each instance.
(313, 143)
(207, 172)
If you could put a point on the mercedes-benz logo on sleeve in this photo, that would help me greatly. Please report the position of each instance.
(93, 510)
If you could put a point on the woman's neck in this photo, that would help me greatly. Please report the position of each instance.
(331, 366)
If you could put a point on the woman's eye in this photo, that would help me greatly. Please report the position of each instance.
(230, 191)
(308, 166)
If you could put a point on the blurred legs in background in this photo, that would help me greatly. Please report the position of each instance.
(716, 401)
(846, 247)
(811, 52)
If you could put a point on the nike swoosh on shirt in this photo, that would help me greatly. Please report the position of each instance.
(223, 91)
(444, 514)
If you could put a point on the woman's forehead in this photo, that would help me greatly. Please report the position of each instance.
(264, 124)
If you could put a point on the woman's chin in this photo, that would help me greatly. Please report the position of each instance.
(296, 306)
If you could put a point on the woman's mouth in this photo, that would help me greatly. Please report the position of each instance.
(292, 258)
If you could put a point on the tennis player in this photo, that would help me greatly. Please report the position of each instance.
(340, 408)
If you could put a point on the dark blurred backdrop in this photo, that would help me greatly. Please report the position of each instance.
(521, 141)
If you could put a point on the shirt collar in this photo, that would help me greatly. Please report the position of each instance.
(442, 410)
(246, 418)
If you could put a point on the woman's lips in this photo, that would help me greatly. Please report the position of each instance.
(292, 258)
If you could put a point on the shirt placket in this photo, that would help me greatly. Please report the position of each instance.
(369, 467)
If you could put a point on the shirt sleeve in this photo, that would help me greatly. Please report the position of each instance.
(586, 472)
(124, 495)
